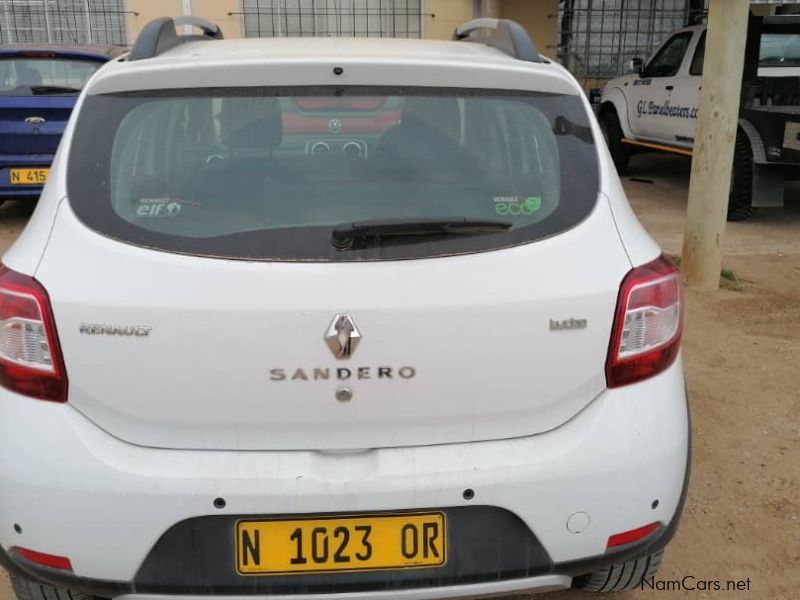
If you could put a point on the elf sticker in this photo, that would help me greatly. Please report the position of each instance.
(515, 206)
(158, 207)
(161, 207)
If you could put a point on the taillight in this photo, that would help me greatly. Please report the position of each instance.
(36, 54)
(325, 103)
(648, 324)
(634, 535)
(30, 356)
(44, 559)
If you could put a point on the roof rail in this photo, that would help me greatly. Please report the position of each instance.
(509, 37)
(161, 34)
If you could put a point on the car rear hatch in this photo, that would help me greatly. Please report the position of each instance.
(33, 124)
(38, 89)
(184, 326)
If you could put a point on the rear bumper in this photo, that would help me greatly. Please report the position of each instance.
(545, 583)
(29, 193)
(7, 161)
(75, 491)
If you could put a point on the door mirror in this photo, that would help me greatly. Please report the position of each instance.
(635, 66)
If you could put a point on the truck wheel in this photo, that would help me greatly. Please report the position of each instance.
(740, 201)
(612, 132)
(621, 576)
(27, 589)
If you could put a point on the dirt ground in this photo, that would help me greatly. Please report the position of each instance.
(741, 354)
(742, 361)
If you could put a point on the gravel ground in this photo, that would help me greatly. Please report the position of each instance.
(741, 354)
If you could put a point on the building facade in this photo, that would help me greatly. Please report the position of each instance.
(593, 38)
(119, 21)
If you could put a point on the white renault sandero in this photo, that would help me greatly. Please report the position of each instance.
(336, 319)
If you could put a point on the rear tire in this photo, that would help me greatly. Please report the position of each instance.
(27, 589)
(740, 201)
(612, 132)
(627, 575)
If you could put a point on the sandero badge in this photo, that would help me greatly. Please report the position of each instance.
(342, 337)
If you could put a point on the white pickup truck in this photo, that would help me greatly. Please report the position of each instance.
(655, 107)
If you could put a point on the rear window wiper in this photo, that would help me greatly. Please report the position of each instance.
(357, 235)
(42, 90)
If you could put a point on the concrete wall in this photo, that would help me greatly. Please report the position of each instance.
(213, 10)
(440, 19)
(444, 16)
(146, 11)
(539, 17)
(217, 11)
(762, 10)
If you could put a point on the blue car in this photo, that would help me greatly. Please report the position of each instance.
(39, 85)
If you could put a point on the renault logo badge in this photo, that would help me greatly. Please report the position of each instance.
(342, 336)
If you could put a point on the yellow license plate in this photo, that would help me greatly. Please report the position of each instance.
(314, 545)
(29, 176)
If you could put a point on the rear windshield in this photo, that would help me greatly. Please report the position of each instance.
(269, 173)
(28, 76)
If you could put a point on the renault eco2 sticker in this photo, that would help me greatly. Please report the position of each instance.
(516, 206)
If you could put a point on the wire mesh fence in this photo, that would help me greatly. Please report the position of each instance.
(596, 38)
(312, 18)
(63, 21)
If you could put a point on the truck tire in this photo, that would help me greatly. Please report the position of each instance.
(27, 589)
(621, 576)
(612, 132)
(740, 201)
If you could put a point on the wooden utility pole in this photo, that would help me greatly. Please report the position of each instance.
(714, 141)
(491, 8)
